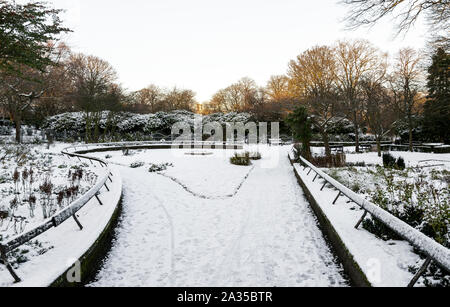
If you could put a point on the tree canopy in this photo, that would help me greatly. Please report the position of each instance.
(25, 34)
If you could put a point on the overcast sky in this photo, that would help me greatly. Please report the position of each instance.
(205, 45)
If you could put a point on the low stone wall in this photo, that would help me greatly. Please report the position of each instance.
(163, 146)
(351, 268)
(91, 260)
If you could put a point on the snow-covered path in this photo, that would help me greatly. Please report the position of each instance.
(266, 235)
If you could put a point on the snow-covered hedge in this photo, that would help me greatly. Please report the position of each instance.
(74, 124)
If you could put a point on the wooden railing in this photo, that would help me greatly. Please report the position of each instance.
(433, 250)
(60, 217)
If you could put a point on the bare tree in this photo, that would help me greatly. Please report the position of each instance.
(355, 60)
(238, 97)
(278, 88)
(17, 95)
(406, 82)
(148, 99)
(313, 80)
(178, 99)
(378, 110)
(93, 82)
(405, 12)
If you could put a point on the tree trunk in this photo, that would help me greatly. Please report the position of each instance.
(307, 150)
(88, 128)
(18, 122)
(355, 122)
(379, 146)
(410, 126)
(326, 142)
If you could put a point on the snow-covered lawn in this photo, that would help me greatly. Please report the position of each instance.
(253, 228)
(412, 159)
(208, 176)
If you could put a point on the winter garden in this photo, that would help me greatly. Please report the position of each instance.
(334, 174)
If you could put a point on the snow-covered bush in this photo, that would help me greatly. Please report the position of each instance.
(154, 168)
(130, 126)
(241, 159)
(137, 164)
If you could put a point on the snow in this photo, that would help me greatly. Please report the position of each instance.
(412, 159)
(66, 243)
(384, 263)
(264, 235)
(46, 165)
(73, 124)
(69, 243)
(192, 172)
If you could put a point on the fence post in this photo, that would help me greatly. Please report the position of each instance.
(420, 272)
(98, 199)
(361, 219)
(4, 258)
(77, 221)
(337, 197)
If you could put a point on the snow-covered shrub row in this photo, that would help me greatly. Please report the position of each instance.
(74, 124)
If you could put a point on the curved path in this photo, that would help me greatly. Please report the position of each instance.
(266, 235)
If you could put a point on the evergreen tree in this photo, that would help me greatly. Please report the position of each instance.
(437, 107)
(25, 35)
(301, 126)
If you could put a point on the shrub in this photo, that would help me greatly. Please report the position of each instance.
(154, 168)
(241, 159)
(389, 161)
(380, 230)
(401, 163)
(137, 164)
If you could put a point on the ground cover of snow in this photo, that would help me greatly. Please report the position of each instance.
(385, 263)
(412, 159)
(264, 235)
(210, 176)
(46, 165)
(65, 244)
(393, 258)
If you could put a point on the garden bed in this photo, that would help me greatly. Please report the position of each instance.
(418, 195)
(43, 260)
